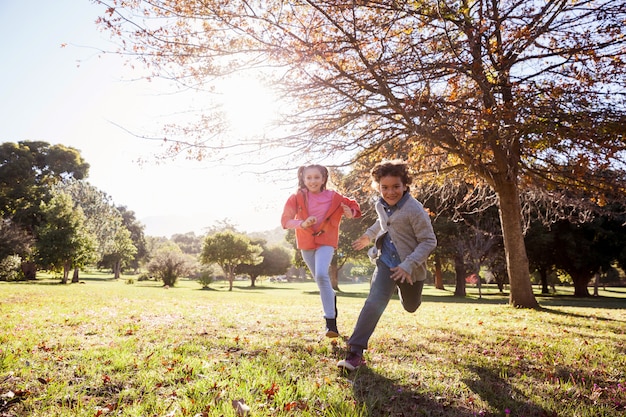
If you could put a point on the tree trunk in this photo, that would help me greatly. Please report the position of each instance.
(252, 281)
(543, 272)
(438, 274)
(580, 285)
(231, 278)
(29, 269)
(66, 272)
(459, 269)
(75, 277)
(596, 283)
(117, 267)
(521, 294)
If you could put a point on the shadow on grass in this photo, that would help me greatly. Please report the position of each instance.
(584, 316)
(501, 395)
(448, 297)
(383, 397)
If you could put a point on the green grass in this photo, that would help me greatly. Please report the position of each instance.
(106, 348)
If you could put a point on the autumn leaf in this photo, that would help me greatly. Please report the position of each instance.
(271, 391)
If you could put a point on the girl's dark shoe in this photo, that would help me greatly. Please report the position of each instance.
(331, 328)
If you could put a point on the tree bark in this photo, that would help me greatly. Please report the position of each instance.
(231, 277)
(75, 277)
(543, 272)
(461, 273)
(580, 285)
(66, 273)
(521, 294)
(596, 283)
(117, 267)
(29, 269)
(438, 274)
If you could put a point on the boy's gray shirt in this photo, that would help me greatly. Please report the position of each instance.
(411, 232)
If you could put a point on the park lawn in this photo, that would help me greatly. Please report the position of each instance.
(109, 348)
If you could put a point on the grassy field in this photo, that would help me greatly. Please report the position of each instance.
(108, 348)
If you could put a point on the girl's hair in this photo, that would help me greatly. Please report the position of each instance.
(395, 168)
(322, 169)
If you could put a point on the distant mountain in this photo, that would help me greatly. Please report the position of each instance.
(170, 225)
(274, 237)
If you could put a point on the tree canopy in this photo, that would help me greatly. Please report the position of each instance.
(276, 261)
(28, 169)
(63, 240)
(229, 249)
(514, 94)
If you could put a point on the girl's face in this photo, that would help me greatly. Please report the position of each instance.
(313, 179)
(391, 189)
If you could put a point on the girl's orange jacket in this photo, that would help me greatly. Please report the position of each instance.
(328, 232)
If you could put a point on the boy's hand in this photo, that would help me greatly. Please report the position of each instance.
(399, 274)
(361, 242)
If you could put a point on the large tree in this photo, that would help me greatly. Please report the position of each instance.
(516, 93)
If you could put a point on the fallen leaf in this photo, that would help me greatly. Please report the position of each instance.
(240, 407)
(271, 391)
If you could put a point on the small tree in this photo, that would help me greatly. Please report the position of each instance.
(122, 252)
(63, 240)
(206, 275)
(229, 249)
(136, 230)
(276, 260)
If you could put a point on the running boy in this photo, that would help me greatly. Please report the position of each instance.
(404, 237)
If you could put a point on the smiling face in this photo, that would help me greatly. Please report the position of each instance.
(391, 188)
(313, 179)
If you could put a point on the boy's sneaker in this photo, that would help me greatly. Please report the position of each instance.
(351, 362)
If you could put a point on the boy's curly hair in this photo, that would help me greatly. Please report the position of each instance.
(394, 168)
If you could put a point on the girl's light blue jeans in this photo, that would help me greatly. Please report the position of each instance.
(318, 260)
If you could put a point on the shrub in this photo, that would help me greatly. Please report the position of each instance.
(206, 275)
(10, 268)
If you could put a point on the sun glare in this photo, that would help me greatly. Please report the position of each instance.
(249, 106)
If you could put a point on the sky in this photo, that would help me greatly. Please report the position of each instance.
(57, 87)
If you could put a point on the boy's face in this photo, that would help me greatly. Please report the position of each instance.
(391, 189)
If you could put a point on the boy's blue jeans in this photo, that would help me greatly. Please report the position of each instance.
(381, 290)
(318, 260)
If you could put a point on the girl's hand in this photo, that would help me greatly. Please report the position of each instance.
(310, 221)
(399, 274)
(347, 211)
(361, 242)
